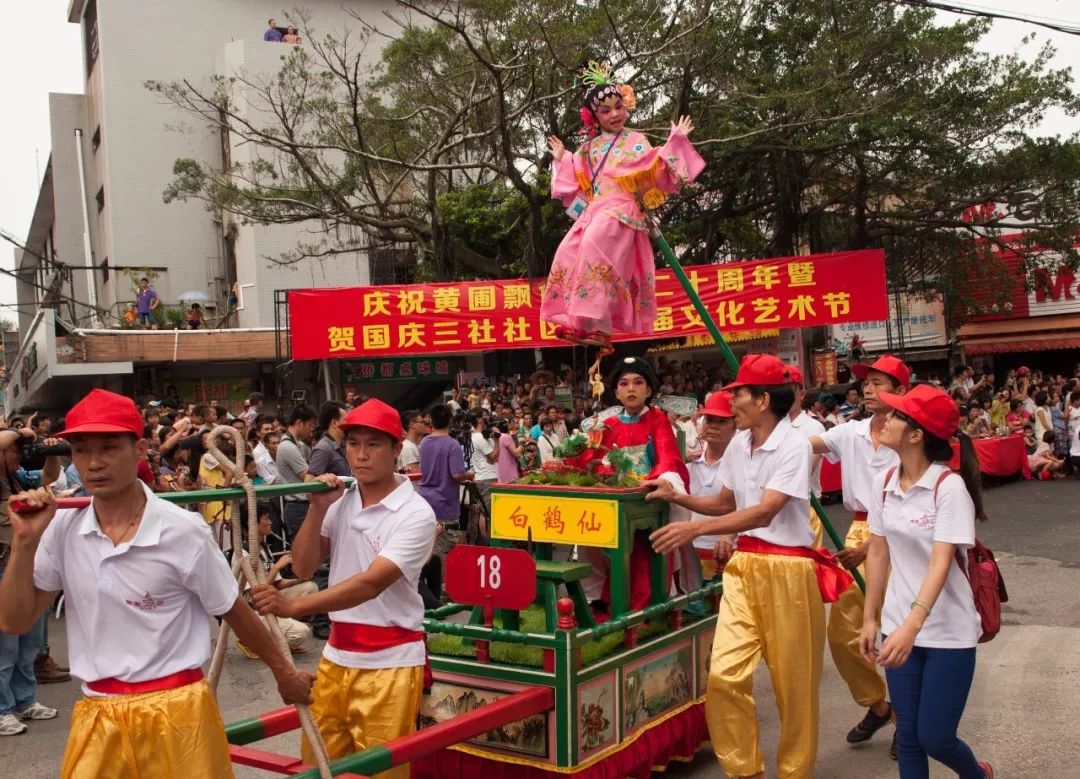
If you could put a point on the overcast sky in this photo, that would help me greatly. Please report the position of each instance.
(44, 55)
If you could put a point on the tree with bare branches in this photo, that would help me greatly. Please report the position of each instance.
(826, 125)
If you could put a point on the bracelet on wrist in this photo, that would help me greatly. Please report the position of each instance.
(922, 604)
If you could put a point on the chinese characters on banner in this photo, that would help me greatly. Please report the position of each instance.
(417, 319)
(560, 520)
(392, 369)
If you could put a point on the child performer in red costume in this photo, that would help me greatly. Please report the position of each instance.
(643, 432)
(603, 275)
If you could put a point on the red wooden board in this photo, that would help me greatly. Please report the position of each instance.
(487, 576)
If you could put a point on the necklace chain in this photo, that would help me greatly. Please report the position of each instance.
(127, 528)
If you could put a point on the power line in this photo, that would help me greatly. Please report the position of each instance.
(989, 13)
(6, 236)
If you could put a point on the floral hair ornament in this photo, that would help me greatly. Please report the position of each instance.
(600, 84)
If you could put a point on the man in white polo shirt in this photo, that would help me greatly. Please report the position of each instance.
(856, 447)
(139, 577)
(774, 584)
(378, 535)
(717, 429)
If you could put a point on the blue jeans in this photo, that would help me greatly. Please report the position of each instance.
(928, 694)
(18, 685)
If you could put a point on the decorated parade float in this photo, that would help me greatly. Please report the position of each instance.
(527, 680)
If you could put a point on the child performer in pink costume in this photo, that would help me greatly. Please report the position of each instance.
(603, 276)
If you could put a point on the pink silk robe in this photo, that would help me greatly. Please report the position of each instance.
(603, 276)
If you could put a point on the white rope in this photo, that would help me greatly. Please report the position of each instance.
(244, 567)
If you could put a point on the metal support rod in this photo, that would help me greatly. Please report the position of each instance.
(733, 363)
(88, 253)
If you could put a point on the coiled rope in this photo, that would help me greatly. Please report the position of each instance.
(245, 569)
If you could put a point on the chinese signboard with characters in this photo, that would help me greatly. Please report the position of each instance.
(555, 519)
(825, 367)
(355, 372)
(922, 321)
(418, 319)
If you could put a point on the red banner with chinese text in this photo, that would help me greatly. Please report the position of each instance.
(416, 319)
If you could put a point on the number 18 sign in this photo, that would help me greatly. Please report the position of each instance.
(486, 576)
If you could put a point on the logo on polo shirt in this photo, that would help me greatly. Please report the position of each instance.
(148, 603)
(923, 521)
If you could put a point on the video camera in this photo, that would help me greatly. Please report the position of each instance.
(32, 455)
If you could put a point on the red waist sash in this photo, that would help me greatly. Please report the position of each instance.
(858, 516)
(354, 637)
(832, 579)
(172, 681)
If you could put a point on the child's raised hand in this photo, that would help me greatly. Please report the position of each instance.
(684, 126)
(556, 147)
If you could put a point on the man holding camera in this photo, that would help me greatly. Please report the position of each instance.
(20, 669)
(140, 576)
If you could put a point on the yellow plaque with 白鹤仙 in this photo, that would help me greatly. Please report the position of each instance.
(555, 519)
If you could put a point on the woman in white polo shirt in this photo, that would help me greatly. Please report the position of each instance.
(920, 515)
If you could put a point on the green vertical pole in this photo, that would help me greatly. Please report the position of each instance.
(733, 363)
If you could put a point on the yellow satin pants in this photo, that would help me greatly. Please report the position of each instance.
(845, 624)
(771, 609)
(171, 734)
(360, 708)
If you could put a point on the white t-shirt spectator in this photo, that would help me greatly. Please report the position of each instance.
(911, 522)
(264, 463)
(483, 470)
(410, 454)
(1074, 431)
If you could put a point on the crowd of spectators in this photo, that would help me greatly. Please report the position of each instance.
(480, 434)
(1043, 407)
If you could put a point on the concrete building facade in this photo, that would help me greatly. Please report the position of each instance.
(100, 211)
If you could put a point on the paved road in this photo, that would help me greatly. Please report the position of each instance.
(1022, 715)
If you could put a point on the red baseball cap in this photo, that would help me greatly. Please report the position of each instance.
(376, 415)
(764, 370)
(887, 364)
(796, 375)
(103, 412)
(932, 409)
(718, 404)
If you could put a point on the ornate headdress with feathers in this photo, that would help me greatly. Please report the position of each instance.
(600, 83)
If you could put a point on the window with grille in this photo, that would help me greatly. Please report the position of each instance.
(91, 32)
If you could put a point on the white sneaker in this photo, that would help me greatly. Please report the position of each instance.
(36, 711)
(10, 725)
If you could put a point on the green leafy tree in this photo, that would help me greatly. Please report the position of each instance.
(826, 125)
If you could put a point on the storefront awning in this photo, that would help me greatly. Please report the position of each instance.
(1031, 334)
